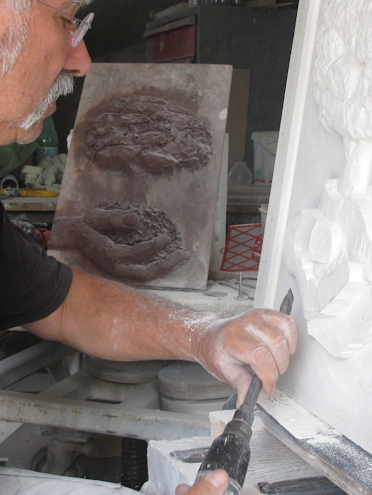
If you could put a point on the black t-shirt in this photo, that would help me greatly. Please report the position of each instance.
(32, 284)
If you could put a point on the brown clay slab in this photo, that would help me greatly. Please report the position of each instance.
(140, 187)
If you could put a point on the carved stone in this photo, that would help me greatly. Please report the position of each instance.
(319, 235)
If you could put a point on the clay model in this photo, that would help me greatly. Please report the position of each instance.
(137, 135)
(127, 243)
(140, 188)
(147, 132)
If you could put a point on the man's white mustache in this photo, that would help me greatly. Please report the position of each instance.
(63, 85)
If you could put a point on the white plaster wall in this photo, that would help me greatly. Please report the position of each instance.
(337, 390)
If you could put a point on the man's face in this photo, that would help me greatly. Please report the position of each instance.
(46, 52)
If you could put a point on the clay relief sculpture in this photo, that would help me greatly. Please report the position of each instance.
(137, 136)
(140, 187)
(329, 249)
(143, 135)
(130, 243)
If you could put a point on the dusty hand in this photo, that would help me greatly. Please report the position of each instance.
(260, 340)
(214, 483)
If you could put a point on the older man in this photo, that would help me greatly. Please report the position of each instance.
(40, 51)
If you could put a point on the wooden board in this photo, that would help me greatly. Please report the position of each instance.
(29, 204)
(322, 446)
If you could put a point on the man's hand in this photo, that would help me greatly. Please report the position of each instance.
(214, 483)
(260, 340)
(111, 321)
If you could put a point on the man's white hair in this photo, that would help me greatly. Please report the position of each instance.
(15, 34)
(18, 5)
(25, 4)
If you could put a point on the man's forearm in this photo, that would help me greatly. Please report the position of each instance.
(112, 321)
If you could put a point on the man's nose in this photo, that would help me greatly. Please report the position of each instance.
(78, 61)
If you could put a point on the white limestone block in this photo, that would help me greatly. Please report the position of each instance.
(331, 285)
(166, 472)
(310, 160)
(331, 200)
(310, 301)
(326, 241)
(270, 461)
(345, 324)
(297, 259)
(219, 420)
(331, 258)
(357, 218)
(20, 481)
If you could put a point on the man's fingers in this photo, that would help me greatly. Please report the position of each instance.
(259, 340)
(250, 349)
(268, 339)
(264, 365)
(182, 489)
(273, 341)
(276, 340)
(214, 483)
(285, 325)
(242, 384)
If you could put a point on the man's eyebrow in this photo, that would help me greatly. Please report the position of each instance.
(79, 3)
(74, 3)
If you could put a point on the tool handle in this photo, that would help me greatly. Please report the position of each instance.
(253, 393)
(230, 452)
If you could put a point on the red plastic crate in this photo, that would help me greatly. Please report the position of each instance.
(243, 248)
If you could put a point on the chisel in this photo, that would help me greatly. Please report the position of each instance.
(230, 451)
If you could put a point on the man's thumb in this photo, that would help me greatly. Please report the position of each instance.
(214, 483)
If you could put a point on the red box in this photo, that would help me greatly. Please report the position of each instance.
(243, 248)
(177, 44)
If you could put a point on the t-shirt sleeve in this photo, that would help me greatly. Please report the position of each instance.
(32, 284)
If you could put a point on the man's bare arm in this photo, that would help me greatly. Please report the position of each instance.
(112, 321)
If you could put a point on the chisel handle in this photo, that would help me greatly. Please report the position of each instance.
(230, 452)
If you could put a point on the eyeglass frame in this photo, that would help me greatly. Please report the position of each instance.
(81, 26)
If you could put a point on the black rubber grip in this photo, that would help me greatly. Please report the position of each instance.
(230, 452)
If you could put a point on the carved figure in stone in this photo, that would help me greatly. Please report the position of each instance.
(127, 243)
(329, 249)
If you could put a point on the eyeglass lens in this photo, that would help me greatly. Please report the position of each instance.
(80, 32)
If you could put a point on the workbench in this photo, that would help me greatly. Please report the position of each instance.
(32, 209)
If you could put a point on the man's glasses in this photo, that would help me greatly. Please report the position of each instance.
(81, 27)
